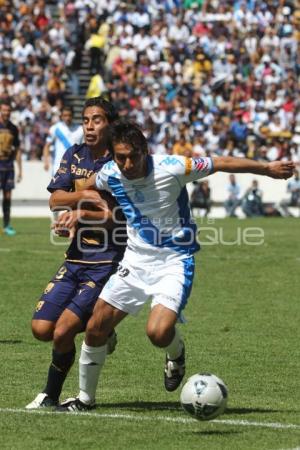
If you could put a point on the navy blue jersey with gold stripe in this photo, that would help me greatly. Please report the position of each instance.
(9, 143)
(92, 244)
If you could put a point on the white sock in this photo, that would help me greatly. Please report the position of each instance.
(91, 362)
(174, 349)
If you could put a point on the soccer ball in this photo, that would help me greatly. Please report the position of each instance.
(204, 396)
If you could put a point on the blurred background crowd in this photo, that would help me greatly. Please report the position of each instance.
(201, 77)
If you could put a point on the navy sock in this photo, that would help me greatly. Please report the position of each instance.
(6, 211)
(57, 373)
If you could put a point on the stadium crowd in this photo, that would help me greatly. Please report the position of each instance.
(202, 77)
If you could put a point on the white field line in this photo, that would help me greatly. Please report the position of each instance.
(296, 448)
(246, 423)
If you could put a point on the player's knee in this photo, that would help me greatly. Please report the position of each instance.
(42, 331)
(62, 335)
(158, 335)
(97, 332)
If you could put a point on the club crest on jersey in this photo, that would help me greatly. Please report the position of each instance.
(139, 196)
(200, 164)
(62, 170)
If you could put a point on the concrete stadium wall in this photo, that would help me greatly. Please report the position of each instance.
(34, 183)
(35, 180)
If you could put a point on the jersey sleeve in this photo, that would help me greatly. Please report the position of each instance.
(101, 182)
(62, 179)
(188, 169)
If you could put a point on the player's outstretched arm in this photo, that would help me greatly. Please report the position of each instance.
(275, 169)
(60, 199)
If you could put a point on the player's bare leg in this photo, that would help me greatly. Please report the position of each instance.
(163, 333)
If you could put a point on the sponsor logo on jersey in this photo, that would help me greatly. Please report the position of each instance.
(171, 161)
(78, 158)
(81, 172)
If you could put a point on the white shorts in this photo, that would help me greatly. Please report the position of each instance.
(167, 284)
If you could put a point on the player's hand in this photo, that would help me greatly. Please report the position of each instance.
(19, 177)
(66, 223)
(280, 169)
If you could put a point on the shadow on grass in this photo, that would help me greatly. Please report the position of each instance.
(10, 341)
(146, 406)
(215, 433)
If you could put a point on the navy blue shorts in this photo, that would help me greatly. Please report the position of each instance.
(7, 180)
(75, 287)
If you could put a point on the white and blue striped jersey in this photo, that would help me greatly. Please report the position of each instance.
(156, 207)
(61, 136)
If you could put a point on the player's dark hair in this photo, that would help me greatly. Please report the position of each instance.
(67, 108)
(108, 107)
(127, 132)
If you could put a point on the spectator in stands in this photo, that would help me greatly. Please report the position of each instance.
(182, 147)
(172, 53)
(293, 189)
(200, 197)
(239, 130)
(55, 88)
(252, 204)
(95, 45)
(96, 86)
(234, 199)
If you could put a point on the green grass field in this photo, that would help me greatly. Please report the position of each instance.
(243, 325)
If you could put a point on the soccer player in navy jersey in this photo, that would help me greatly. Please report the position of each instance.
(9, 151)
(68, 300)
(158, 263)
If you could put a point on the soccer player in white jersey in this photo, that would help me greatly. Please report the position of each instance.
(62, 135)
(158, 263)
